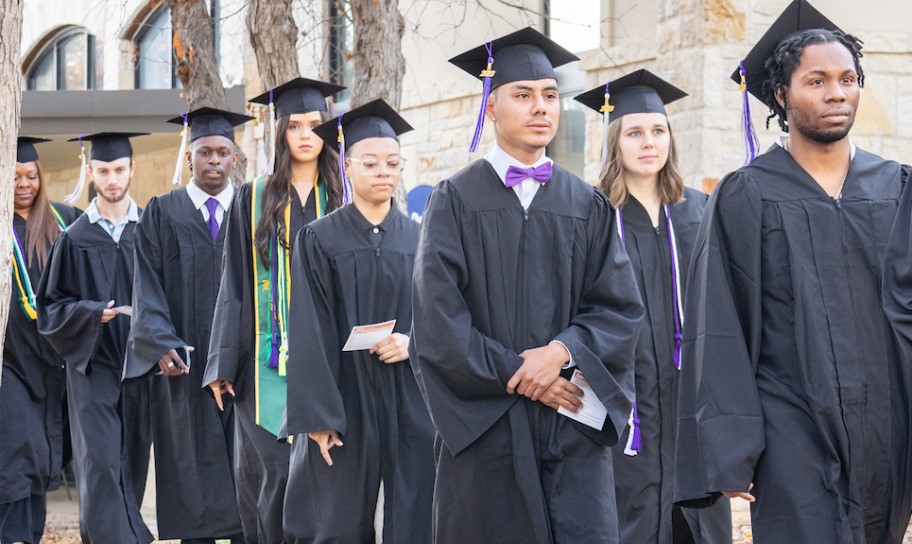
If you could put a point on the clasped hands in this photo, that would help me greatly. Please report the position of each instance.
(539, 379)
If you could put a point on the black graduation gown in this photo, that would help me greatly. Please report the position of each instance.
(32, 394)
(347, 272)
(86, 269)
(260, 460)
(792, 377)
(644, 483)
(492, 280)
(174, 290)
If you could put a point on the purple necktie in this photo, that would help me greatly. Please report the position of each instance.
(516, 175)
(212, 223)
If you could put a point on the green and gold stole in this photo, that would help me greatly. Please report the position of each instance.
(20, 271)
(270, 303)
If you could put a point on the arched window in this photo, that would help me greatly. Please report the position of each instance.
(154, 62)
(153, 40)
(67, 62)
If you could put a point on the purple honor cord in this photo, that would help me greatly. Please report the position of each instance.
(634, 441)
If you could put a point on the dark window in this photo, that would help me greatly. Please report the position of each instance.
(69, 63)
(341, 46)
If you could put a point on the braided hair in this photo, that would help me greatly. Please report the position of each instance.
(785, 59)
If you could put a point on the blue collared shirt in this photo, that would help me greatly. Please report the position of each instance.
(116, 231)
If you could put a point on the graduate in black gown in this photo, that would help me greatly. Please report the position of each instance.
(84, 307)
(794, 393)
(657, 221)
(361, 409)
(248, 346)
(33, 384)
(521, 281)
(179, 242)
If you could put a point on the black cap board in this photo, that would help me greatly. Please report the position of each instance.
(799, 15)
(211, 122)
(25, 148)
(300, 95)
(375, 119)
(524, 55)
(637, 92)
(109, 146)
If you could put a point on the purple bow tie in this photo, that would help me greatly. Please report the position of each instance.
(516, 175)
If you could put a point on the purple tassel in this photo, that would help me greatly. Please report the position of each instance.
(677, 350)
(346, 196)
(675, 291)
(636, 442)
(748, 133)
(275, 334)
(486, 75)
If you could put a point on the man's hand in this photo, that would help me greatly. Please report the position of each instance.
(218, 387)
(392, 349)
(741, 494)
(108, 313)
(563, 394)
(172, 365)
(541, 366)
(326, 439)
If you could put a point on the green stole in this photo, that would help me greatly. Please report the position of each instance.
(270, 303)
(20, 270)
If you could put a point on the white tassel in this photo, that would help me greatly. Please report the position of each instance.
(74, 196)
(179, 167)
(260, 136)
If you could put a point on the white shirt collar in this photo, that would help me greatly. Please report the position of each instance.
(199, 196)
(94, 217)
(501, 161)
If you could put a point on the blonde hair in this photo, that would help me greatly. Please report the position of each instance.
(611, 179)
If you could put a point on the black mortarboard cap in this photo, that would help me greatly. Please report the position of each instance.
(300, 95)
(799, 15)
(751, 72)
(109, 146)
(375, 119)
(211, 122)
(637, 92)
(25, 148)
(524, 55)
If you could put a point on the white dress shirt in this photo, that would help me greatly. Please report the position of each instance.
(501, 161)
(199, 198)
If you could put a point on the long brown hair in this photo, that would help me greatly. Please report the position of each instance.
(278, 185)
(611, 180)
(41, 229)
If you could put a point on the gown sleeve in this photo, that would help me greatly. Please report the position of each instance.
(152, 333)
(897, 281)
(314, 346)
(232, 322)
(603, 332)
(71, 326)
(720, 434)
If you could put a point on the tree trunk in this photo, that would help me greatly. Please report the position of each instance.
(379, 64)
(274, 37)
(194, 52)
(196, 65)
(10, 99)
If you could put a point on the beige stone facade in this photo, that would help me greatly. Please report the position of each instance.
(696, 44)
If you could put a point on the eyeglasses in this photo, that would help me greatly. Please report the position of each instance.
(373, 167)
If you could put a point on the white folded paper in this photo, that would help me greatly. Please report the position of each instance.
(365, 336)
